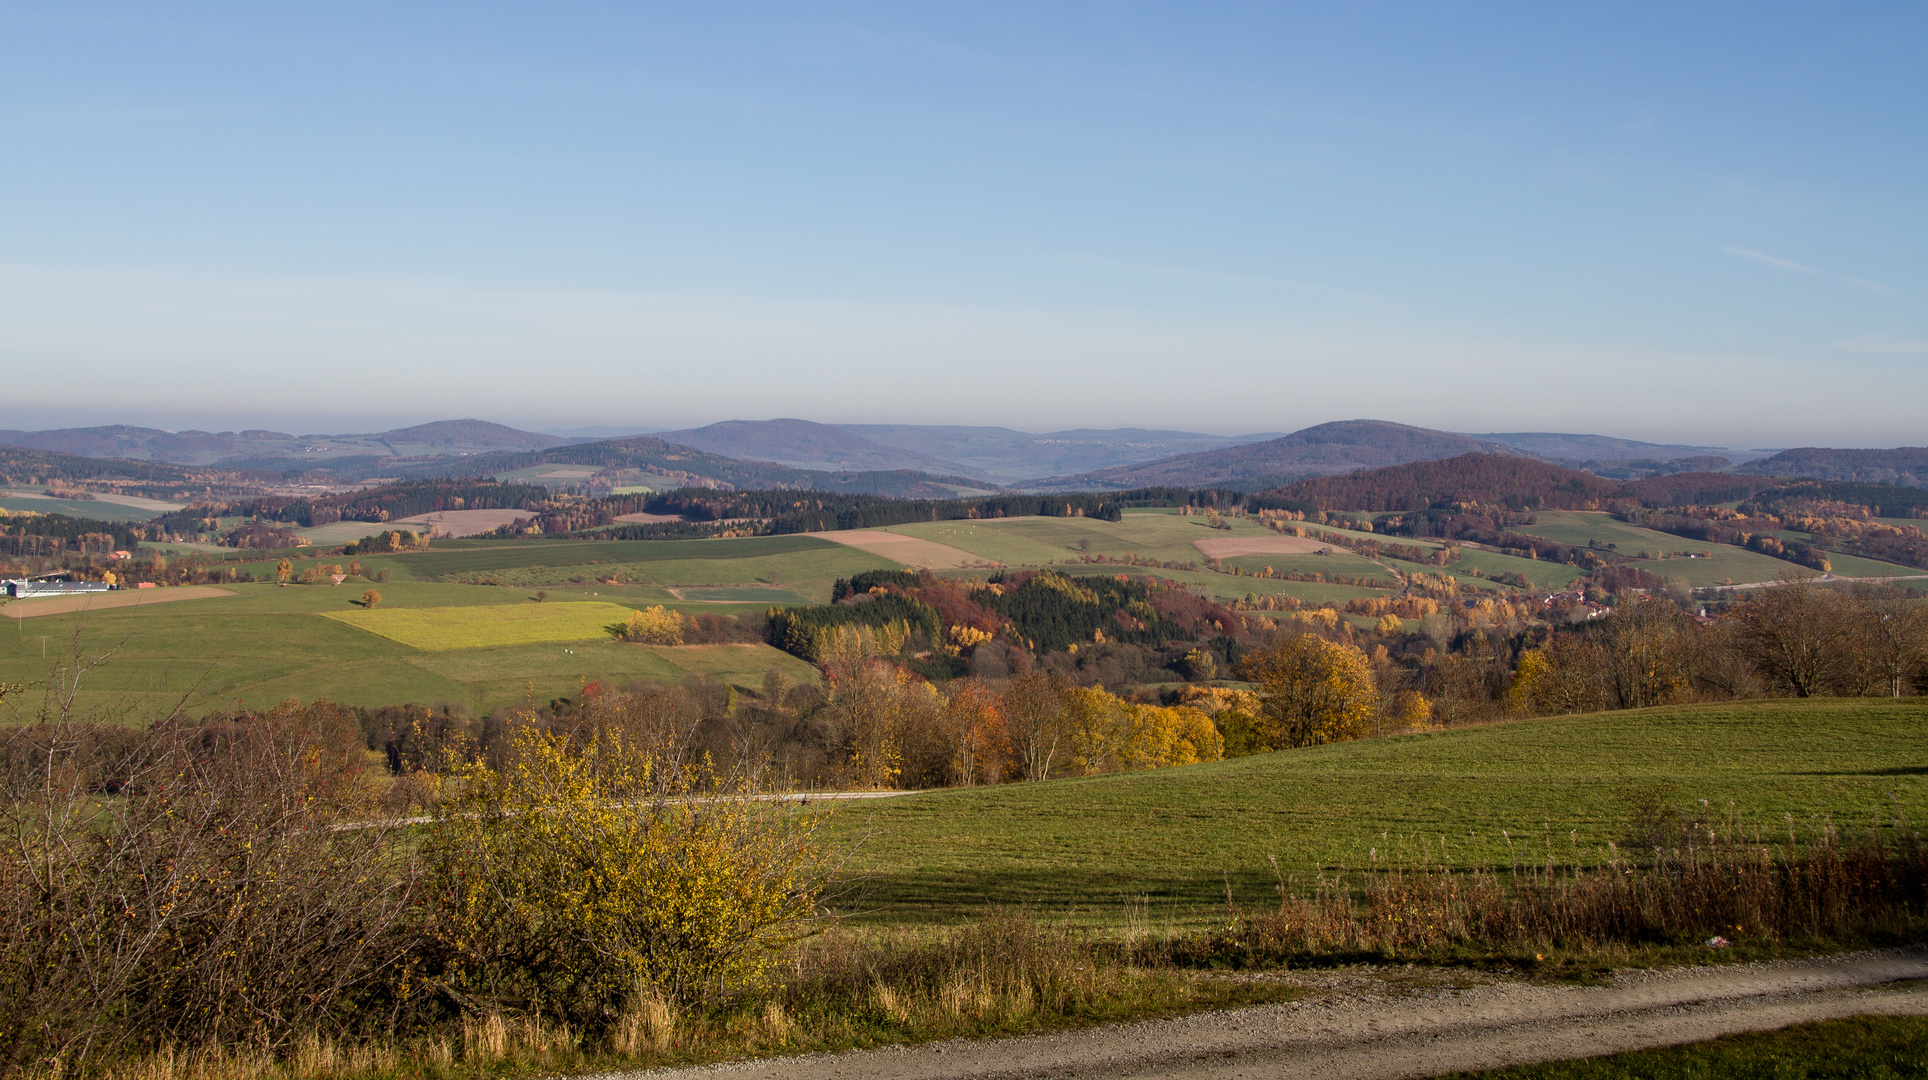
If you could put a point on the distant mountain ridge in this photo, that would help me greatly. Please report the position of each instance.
(1339, 447)
(256, 448)
(1007, 456)
(803, 444)
(1558, 446)
(1906, 465)
(1494, 479)
(685, 466)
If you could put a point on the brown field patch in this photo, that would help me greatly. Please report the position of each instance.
(1234, 546)
(125, 598)
(463, 522)
(908, 550)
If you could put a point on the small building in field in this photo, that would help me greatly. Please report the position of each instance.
(25, 589)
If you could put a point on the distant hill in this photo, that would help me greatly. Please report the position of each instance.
(667, 465)
(1340, 447)
(259, 449)
(20, 467)
(1699, 488)
(465, 436)
(1007, 456)
(1557, 446)
(1902, 465)
(1496, 479)
(803, 444)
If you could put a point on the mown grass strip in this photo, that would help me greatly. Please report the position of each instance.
(1860, 1046)
(446, 628)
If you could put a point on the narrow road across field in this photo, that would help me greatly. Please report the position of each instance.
(1356, 1025)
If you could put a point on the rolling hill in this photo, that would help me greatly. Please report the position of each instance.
(260, 449)
(803, 444)
(1558, 446)
(1339, 447)
(684, 466)
(1008, 456)
(1517, 482)
(1907, 465)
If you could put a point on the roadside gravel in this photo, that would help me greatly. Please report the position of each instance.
(1374, 1023)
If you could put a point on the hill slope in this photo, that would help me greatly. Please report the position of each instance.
(1565, 447)
(1901, 465)
(1339, 447)
(1004, 455)
(1521, 483)
(1186, 835)
(684, 466)
(258, 449)
(803, 444)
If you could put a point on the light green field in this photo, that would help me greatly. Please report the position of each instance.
(805, 565)
(343, 532)
(743, 594)
(1726, 564)
(1166, 537)
(265, 644)
(1180, 838)
(97, 509)
(440, 629)
(1856, 566)
(1492, 564)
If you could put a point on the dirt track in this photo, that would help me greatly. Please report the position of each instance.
(123, 598)
(1368, 1025)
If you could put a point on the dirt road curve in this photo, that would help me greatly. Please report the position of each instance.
(1363, 1025)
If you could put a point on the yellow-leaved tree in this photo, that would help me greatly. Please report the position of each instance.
(654, 626)
(1170, 736)
(589, 870)
(1311, 691)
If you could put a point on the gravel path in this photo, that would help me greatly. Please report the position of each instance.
(1374, 1024)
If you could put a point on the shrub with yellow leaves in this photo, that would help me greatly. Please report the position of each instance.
(654, 626)
(589, 871)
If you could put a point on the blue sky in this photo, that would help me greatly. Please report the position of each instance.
(1697, 225)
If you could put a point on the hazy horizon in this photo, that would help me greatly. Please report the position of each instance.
(1684, 226)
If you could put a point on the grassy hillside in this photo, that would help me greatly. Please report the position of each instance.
(1339, 447)
(1724, 564)
(1177, 839)
(262, 644)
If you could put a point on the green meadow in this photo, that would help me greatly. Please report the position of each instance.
(439, 629)
(476, 646)
(1725, 564)
(1168, 844)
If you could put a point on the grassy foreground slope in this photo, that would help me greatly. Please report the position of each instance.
(262, 644)
(1175, 840)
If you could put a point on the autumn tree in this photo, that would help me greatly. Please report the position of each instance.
(656, 625)
(1799, 638)
(1892, 638)
(1034, 713)
(1311, 691)
(976, 723)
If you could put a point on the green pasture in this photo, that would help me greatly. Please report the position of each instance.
(263, 644)
(1175, 840)
(804, 565)
(97, 509)
(1166, 537)
(439, 629)
(1856, 566)
(1492, 564)
(345, 532)
(1725, 564)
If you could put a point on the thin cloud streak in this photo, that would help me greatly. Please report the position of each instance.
(1802, 268)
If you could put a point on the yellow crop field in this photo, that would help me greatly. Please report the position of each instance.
(440, 629)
